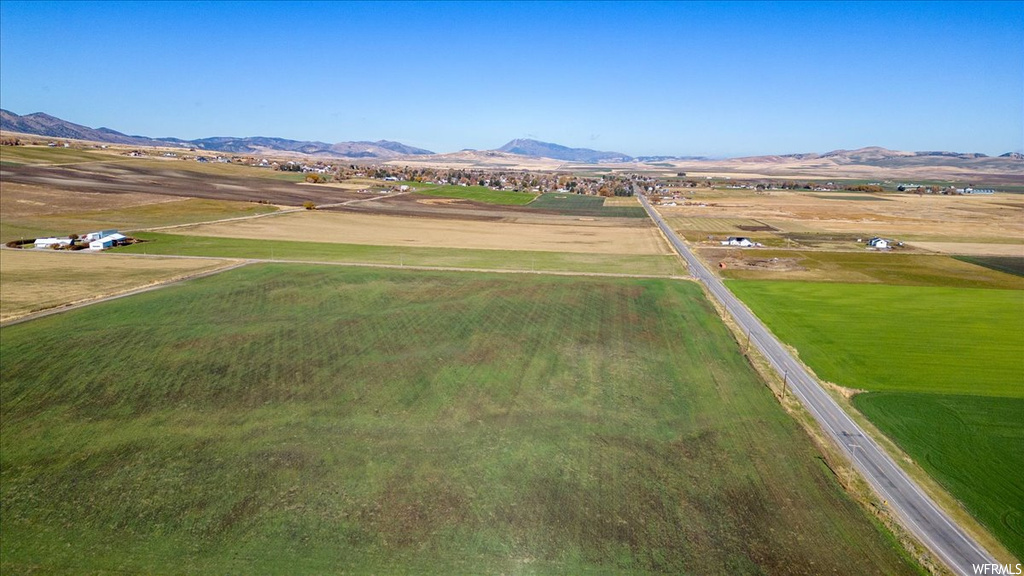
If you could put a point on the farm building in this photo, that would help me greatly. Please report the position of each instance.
(878, 243)
(97, 235)
(48, 242)
(738, 241)
(107, 241)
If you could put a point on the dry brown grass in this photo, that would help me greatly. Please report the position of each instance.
(33, 280)
(994, 218)
(570, 235)
(972, 248)
(22, 200)
(621, 201)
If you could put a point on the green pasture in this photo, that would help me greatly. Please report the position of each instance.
(883, 268)
(289, 419)
(972, 445)
(182, 245)
(478, 194)
(944, 368)
(144, 216)
(899, 338)
(584, 205)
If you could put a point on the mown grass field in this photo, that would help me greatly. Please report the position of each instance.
(944, 368)
(33, 280)
(182, 245)
(583, 205)
(899, 338)
(165, 213)
(300, 419)
(477, 194)
(971, 444)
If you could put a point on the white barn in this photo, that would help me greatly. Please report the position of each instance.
(878, 243)
(48, 242)
(107, 241)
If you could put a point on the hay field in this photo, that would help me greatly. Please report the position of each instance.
(380, 230)
(34, 280)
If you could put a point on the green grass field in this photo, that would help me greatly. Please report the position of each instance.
(583, 205)
(302, 419)
(477, 194)
(182, 245)
(972, 445)
(144, 216)
(17, 155)
(944, 369)
(899, 338)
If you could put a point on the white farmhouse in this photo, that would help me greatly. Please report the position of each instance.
(738, 241)
(878, 243)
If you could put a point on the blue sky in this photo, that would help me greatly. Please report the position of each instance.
(720, 79)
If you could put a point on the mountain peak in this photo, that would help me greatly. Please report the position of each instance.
(538, 149)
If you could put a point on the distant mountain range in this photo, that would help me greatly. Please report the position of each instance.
(41, 124)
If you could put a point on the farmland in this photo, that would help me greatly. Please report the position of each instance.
(858, 267)
(33, 280)
(162, 212)
(970, 444)
(1009, 264)
(607, 237)
(592, 262)
(581, 205)
(17, 155)
(943, 371)
(294, 418)
(899, 338)
(480, 194)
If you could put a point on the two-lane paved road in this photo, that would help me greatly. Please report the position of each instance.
(913, 507)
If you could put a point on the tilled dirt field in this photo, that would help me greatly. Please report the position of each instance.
(124, 178)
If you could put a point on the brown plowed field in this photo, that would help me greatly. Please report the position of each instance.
(125, 178)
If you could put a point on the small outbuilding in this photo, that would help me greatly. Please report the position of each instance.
(879, 243)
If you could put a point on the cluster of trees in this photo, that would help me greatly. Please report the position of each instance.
(865, 188)
(10, 142)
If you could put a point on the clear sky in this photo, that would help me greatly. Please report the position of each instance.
(720, 79)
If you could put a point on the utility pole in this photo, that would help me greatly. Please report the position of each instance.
(785, 380)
